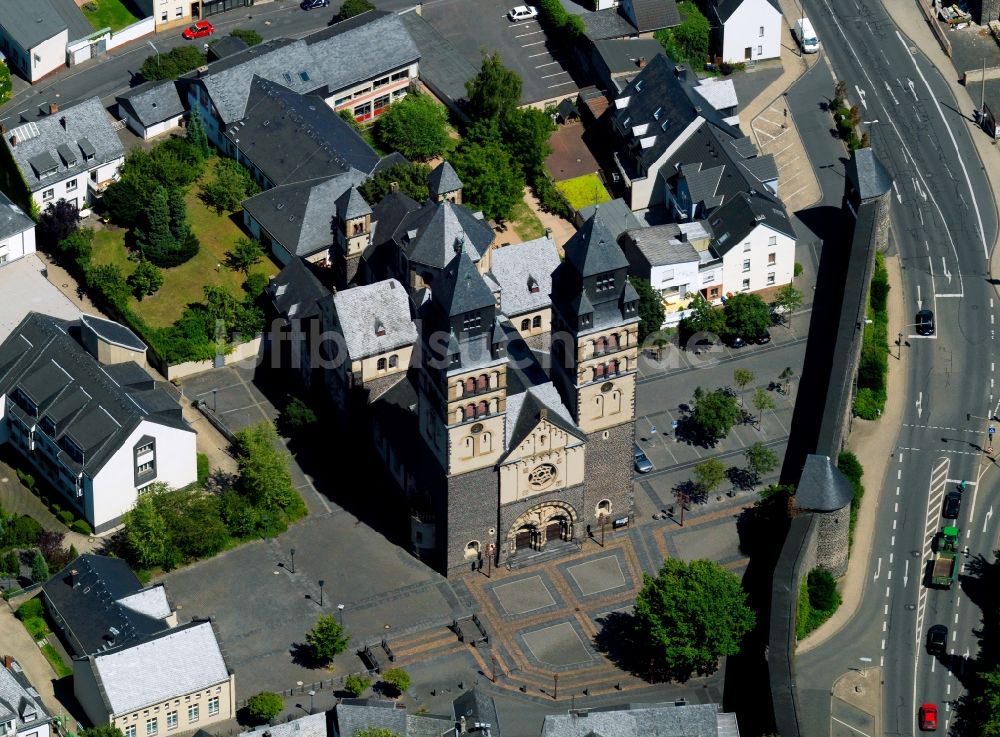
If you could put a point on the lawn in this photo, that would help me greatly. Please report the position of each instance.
(108, 13)
(584, 191)
(183, 284)
(526, 223)
(62, 670)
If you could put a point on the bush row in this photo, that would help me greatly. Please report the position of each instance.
(850, 466)
(873, 367)
(818, 600)
(563, 26)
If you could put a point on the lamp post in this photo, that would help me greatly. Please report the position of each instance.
(215, 406)
(340, 611)
(312, 693)
(292, 552)
(157, 53)
(602, 518)
(321, 584)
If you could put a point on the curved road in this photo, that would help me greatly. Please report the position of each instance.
(944, 228)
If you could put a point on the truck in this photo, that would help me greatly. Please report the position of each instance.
(806, 36)
(944, 565)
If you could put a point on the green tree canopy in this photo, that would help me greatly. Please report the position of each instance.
(172, 64)
(231, 185)
(196, 136)
(397, 679)
(494, 91)
(704, 318)
(264, 476)
(104, 730)
(526, 133)
(761, 460)
(714, 414)
(747, 315)
(709, 474)
(327, 639)
(39, 568)
(416, 126)
(351, 8)
(411, 179)
(356, 684)
(491, 180)
(743, 378)
(244, 255)
(651, 313)
(688, 41)
(691, 615)
(56, 222)
(146, 530)
(761, 401)
(108, 281)
(5, 83)
(788, 299)
(264, 706)
(247, 35)
(145, 280)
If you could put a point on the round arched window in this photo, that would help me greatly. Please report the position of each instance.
(542, 476)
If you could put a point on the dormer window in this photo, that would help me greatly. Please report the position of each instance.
(638, 85)
(665, 124)
(532, 285)
(657, 113)
(628, 119)
(379, 328)
(472, 320)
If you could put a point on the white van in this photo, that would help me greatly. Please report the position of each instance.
(806, 36)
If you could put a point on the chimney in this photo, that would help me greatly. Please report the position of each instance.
(62, 122)
(461, 725)
(680, 71)
(641, 61)
(72, 578)
(393, 186)
(13, 141)
(7, 661)
(53, 108)
(682, 237)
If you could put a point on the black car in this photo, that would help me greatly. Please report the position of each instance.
(736, 341)
(937, 639)
(313, 4)
(952, 505)
(763, 339)
(925, 322)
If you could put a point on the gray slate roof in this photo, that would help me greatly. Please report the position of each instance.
(607, 23)
(113, 332)
(725, 8)
(292, 137)
(84, 401)
(88, 126)
(822, 487)
(617, 216)
(300, 216)
(593, 249)
(352, 205)
(660, 245)
(296, 292)
(621, 55)
(30, 22)
(12, 218)
(524, 273)
(188, 658)
(355, 715)
(362, 311)
(76, 22)
(443, 179)
(461, 287)
(311, 725)
(152, 102)
(477, 706)
(652, 15)
(645, 720)
(442, 68)
(868, 175)
(19, 700)
(525, 410)
(732, 222)
(438, 227)
(226, 46)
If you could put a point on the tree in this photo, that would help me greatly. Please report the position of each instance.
(351, 8)
(5, 83)
(494, 91)
(172, 64)
(691, 615)
(823, 594)
(714, 414)
(743, 378)
(525, 134)
(788, 300)
(747, 315)
(78, 246)
(179, 227)
(264, 477)
(356, 685)
(146, 530)
(10, 564)
(244, 255)
(145, 280)
(39, 568)
(153, 236)
(688, 41)
(651, 313)
(195, 135)
(264, 706)
(397, 679)
(709, 474)
(57, 222)
(410, 178)
(247, 35)
(231, 185)
(490, 178)
(704, 318)
(104, 730)
(761, 401)
(786, 376)
(126, 199)
(108, 281)
(416, 126)
(255, 285)
(326, 639)
(761, 460)
(296, 417)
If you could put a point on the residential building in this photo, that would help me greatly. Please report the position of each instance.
(747, 30)
(188, 687)
(630, 18)
(33, 37)
(22, 713)
(617, 61)
(152, 108)
(523, 275)
(472, 712)
(167, 14)
(675, 719)
(616, 216)
(72, 154)
(225, 46)
(76, 405)
(17, 232)
(97, 604)
(669, 258)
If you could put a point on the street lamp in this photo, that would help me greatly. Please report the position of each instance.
(340, 611)
(312, 693)
(321, 584)
(292, 551)
(157, 53)
(869, 122)
(602, 519)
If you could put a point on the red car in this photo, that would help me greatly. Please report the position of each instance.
(199, 30)
(928, 718)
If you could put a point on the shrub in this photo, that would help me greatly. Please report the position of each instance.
(5, 83)
(296, 416)
(850, 466)
(822, 588)
(10, 564)
(22, 531)
(356, 684)
(39, 568)
(351, 8)
(82, 527)
(868, 404)
(255, 285)
(551, 199)
(203, 468)
(264, 706)
(26, 478)
(397, 679)
(172, 64)
(66, 517)
(249, 36)
(31, 608)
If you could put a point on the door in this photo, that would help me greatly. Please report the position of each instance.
(746, 53)
(554, 530)
(524, 538)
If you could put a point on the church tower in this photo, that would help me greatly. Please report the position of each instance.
(352, 235)
(595, 336)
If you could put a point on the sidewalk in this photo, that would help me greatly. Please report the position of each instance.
(18, 642)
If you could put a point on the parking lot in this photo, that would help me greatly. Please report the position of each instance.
(523, 46)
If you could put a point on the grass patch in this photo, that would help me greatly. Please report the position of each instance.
(32, 616)
(526, 223)
(62, 670)
(108, 13)
(818, 600)
(584, 191)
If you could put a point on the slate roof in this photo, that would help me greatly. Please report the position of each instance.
(822, 487)
(660, 245)
(20, 701)
(296, 292)
(88, 126)
(732, 222)
(113, 332)
(719, 93)
(725, 8)
(443, 179)
(442, 68)
(523, 272)
(90, 410)
(311, 725)
(292, 137)
(188, 658)
(387, 215)
(76, 22)
(355, 715)
(461, 288)
(352, 205)
(30, 22)
(593, 249)
(477, 706)
(621, 55)
(362, 311)
(524, 411)
(645, 720)
(226, 46)
(437, 227)
(300, 216)
(101, 596)
(652, 15)
(360, 48)
(607, 23)
(617, 216)
(12, 218)
(152, 102)
(867, 174)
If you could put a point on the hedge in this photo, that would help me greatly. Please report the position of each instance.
(850, 466)
(874, 364)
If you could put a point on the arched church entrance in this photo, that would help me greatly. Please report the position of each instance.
(542, 524)
(525, 537)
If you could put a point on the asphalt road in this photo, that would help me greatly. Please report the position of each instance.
(944, 227)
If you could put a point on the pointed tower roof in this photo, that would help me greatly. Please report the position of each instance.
(461, 289)
(867, 174)
(593, 249)
(352, 205)
(439, 227)
(443, 179)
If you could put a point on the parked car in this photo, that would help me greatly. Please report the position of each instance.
(928, 718)
(199, 30)
(642, 463)
(522, 12)
(937, 639)
(763, 339)
(952, 505)
(925, 322)
(736, 341)
(313, 4)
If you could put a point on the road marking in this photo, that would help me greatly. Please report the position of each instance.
(899, 474)
(533, 43)
(899, 197)
(906, 573)
(893, 543)
(853, 729)
(886, 610)
(532, 56)
(888, 576)
(559, 84)
(886, 592)
(546, 76)
(878, 570)
(530, 33)
(894, 524)
(988, 515)
(920, 399)
(883, 643)
(883, 625)
(890, 558)
(956, 617)
(546, 64)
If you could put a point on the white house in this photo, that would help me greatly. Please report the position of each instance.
(748, 30)
(33, 37)
(152, 108)
(22, 713)
(166, 13)
(753, 237)
(88, 417)
(17, 232)
(71, 154)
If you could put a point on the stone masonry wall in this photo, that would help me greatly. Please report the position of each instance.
(471, 512)
(608, 472)
(832, 540)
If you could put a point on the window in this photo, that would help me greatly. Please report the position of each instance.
(362, 92)
(48, 194)
(771, 259)
(172, 719)
(770, 278)
(470, 386)
(760, 51)
(405, 74)
(746, 285)
(482, 383)
(129, 730)
(761, 34)
(179, 12)
(151, 726)
(472, 549)
(393, 361)
(772, 241)
(380, 365)
(601, 346)
(707, 278)
(163, 16)
(341, 101)
(746, 246)
(213, 706)
(93, 174)
(144, 448)
(536, 321)
(746, 265)
(381, 102)
(144, 467)
(192, 713)
(381, 82)
(363, 112)
(471, 320)
(525, 324)
(399, 94)
(482, 409)
(71, 185)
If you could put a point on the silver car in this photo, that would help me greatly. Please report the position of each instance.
(642, 463)
(522, 12)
